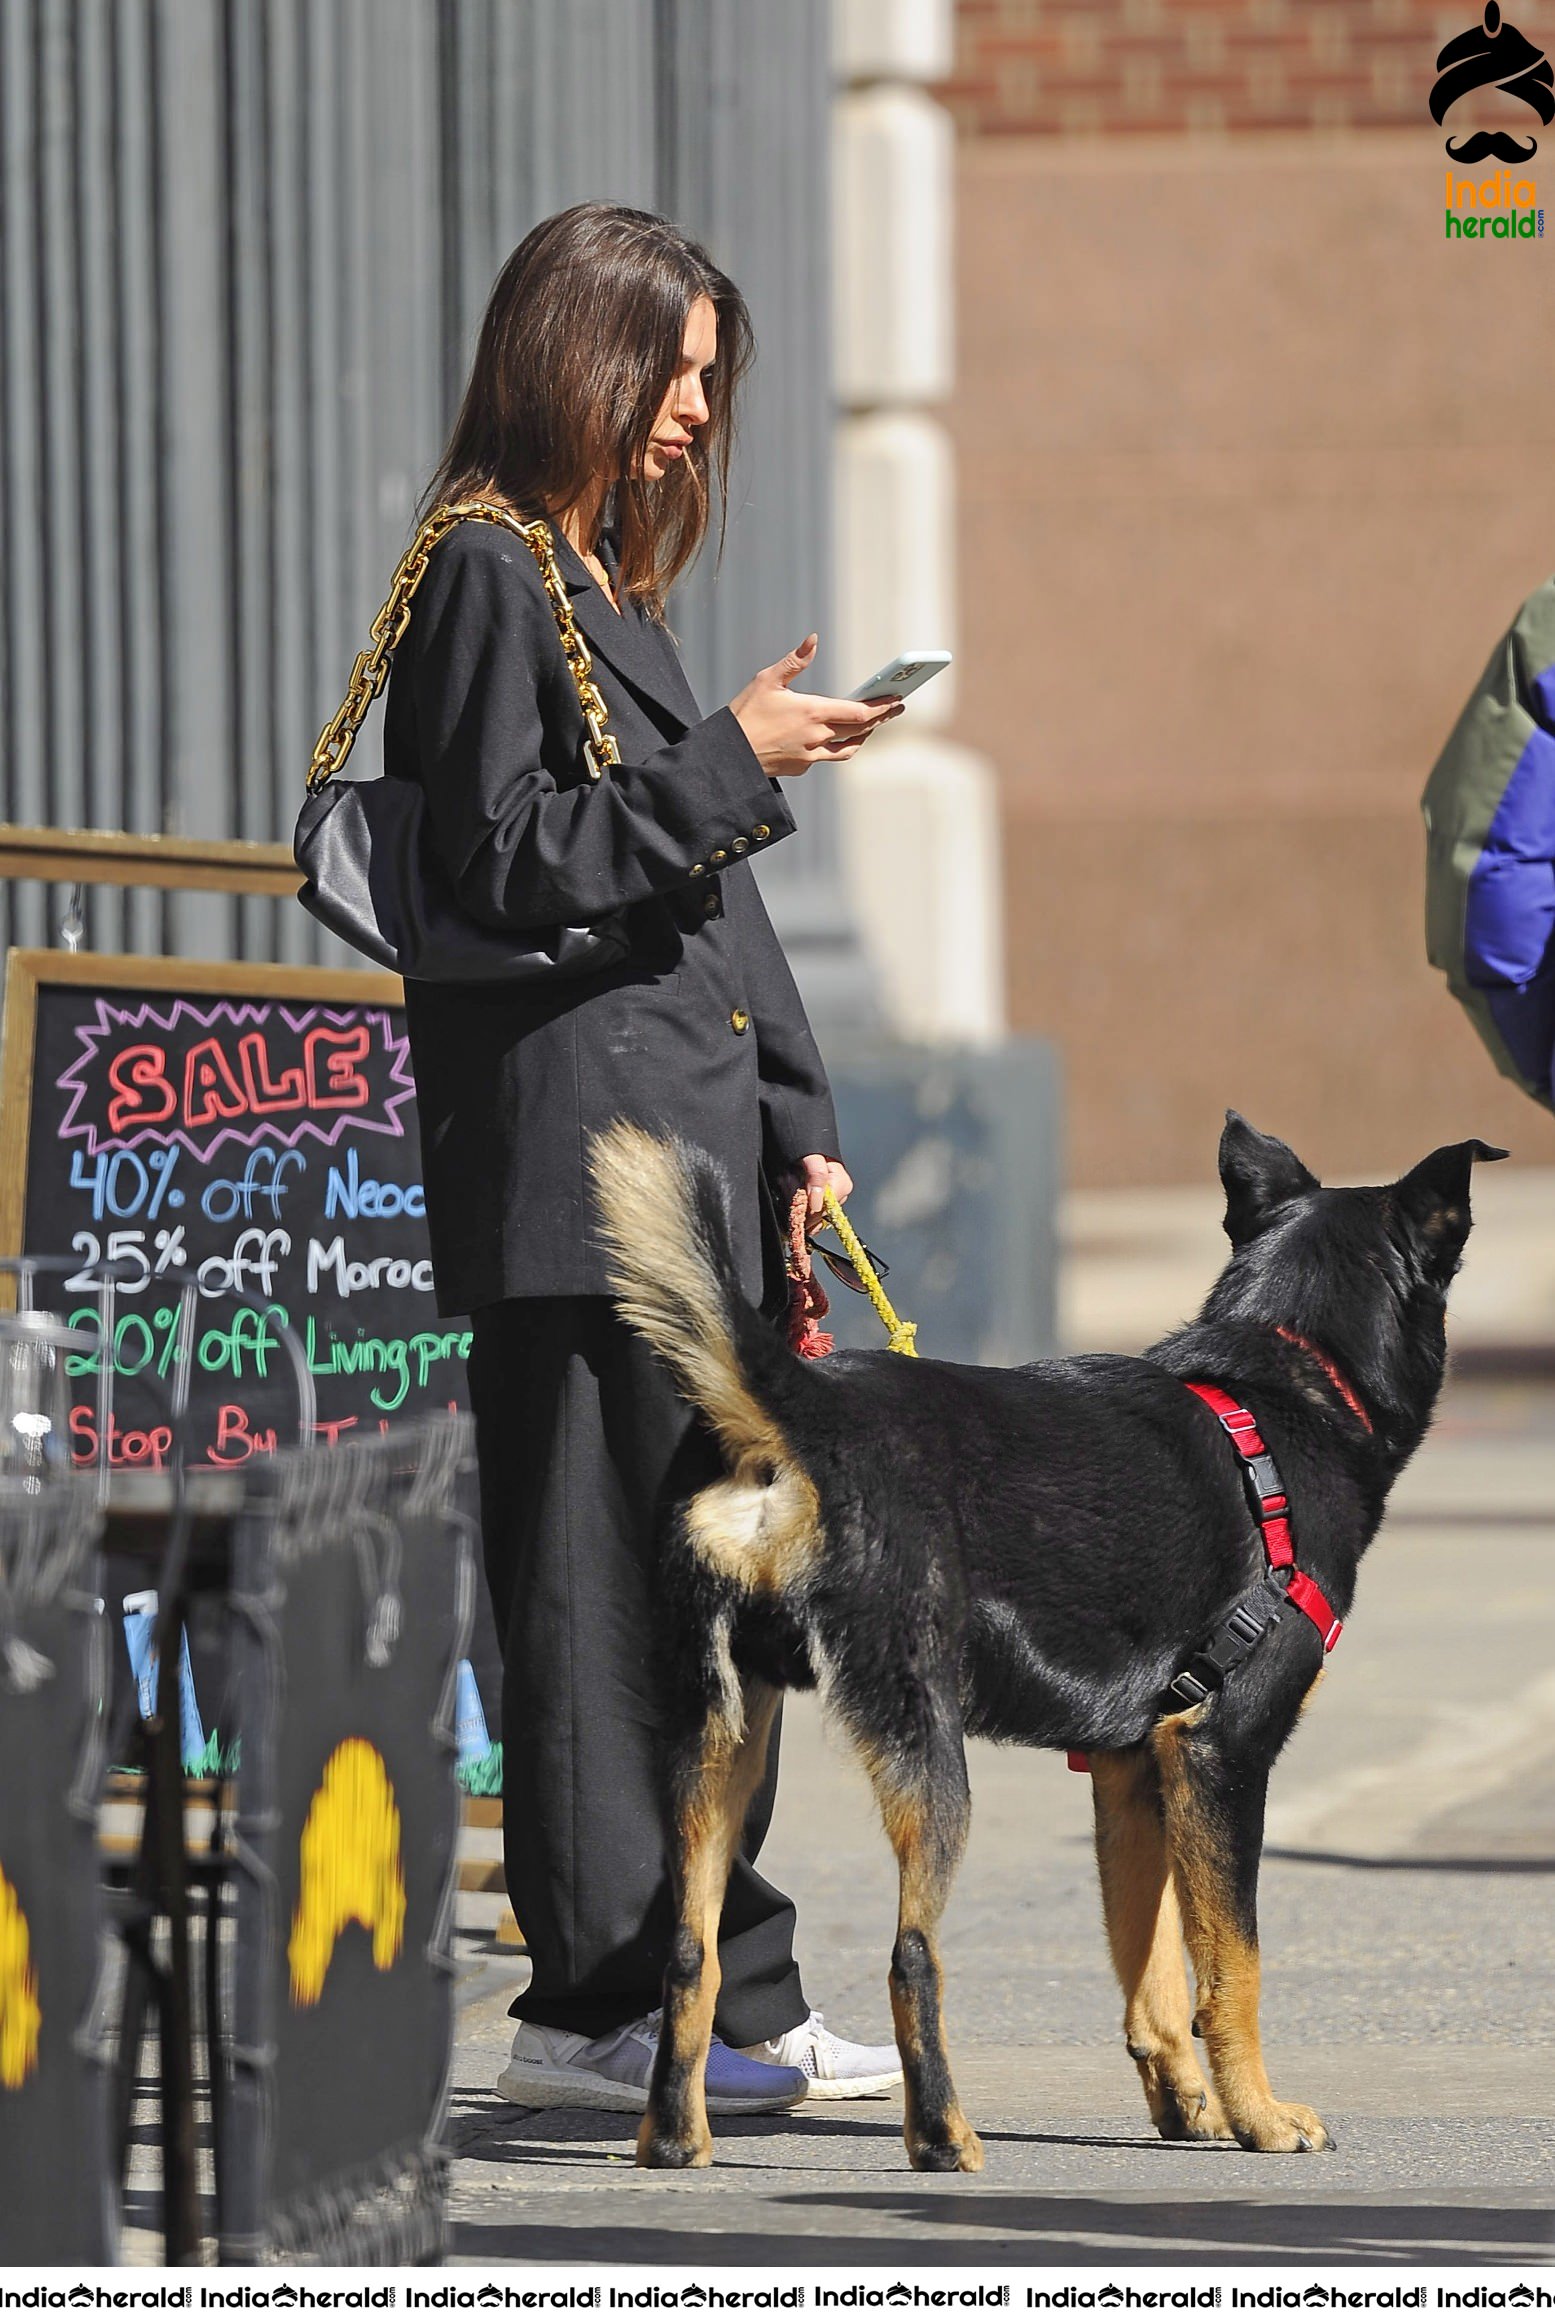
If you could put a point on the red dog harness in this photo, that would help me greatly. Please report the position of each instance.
(1271, 1514)
(1284, 1584)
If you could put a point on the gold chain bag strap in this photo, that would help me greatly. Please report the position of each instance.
(370, 671)
(372, 874)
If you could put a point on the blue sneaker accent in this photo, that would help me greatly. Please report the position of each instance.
(610, 2072)
(736, 2084)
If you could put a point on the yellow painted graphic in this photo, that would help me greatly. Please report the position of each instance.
(351, 1868)
(20, 2016)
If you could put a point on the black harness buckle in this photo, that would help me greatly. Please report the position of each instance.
(1265, 1484)
(1232, 1643)
(1245, 1626)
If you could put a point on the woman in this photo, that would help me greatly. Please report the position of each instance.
(602, 396)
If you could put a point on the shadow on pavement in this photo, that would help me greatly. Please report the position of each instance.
(520, 2136)
(1484, 1865)
(480, 2133)
(961, 2228)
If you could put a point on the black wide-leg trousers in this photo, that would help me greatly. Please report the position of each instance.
(581, 1441)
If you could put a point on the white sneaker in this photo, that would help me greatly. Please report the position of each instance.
(609, 2072)
(832, 2068)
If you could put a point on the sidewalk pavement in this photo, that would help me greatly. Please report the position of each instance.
(1408, 1935)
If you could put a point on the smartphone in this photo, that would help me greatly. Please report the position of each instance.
(902, 675)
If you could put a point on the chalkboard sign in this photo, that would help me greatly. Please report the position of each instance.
(256, 1125)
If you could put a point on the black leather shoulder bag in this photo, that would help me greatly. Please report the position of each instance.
(371, 869)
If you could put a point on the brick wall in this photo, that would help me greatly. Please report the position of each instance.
(1239, 525)
(1067, 67)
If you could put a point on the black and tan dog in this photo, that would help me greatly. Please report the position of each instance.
(1047, 1555)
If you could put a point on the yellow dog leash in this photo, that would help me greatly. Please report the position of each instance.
(902, 1335)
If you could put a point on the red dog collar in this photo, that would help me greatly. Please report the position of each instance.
(1331, 1372)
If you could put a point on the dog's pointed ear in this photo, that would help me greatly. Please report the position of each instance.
(1259, 1175)
(1434, 1196)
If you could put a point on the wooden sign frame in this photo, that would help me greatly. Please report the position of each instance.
(27, 972)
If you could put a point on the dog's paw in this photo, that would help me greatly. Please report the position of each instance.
(1181, 2107)
(1285, 2130)
(658, 2150)
(963, 2153)
(1192, 2116)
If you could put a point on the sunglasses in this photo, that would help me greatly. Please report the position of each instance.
(842, 1266)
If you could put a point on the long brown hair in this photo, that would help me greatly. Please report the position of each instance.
(580, 341)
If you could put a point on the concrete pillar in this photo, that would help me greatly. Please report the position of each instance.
(918, 812)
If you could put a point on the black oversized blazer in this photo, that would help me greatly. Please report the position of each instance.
(700, 1030)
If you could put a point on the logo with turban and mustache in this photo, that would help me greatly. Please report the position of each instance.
(351, 1869)
(1493, 55)
(20, 2016)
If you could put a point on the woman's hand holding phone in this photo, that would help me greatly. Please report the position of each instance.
(790, 732)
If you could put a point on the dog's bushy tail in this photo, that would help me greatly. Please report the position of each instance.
(665, 1222)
